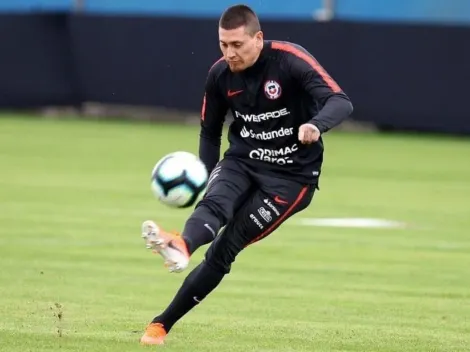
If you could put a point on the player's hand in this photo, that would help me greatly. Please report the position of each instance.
(308, 133)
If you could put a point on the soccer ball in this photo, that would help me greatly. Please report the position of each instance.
(179, 179)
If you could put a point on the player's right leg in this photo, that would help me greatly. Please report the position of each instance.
(228, 187)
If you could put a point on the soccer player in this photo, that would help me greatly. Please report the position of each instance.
(282, 101)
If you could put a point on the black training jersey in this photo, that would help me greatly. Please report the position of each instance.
(269, 101)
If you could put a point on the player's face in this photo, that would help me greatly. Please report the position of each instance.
(240, 49)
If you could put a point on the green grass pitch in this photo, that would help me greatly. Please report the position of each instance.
(75, 275)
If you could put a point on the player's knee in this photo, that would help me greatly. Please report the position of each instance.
(219, 261)
(218, 265)
(215, 206)
(220, 255)
(204, 216)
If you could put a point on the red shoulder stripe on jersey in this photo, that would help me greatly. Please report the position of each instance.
(215, 63)
(311, 61)
(203, 110)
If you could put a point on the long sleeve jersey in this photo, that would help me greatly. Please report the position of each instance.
(269, 101)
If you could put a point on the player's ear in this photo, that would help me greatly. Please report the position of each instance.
(259, 39)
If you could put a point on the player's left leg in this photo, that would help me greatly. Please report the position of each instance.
(263, 213)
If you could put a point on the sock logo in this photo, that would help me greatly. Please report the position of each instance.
(207, 226)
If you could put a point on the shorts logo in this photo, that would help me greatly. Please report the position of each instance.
(279, 200)
(272, 89)
(265, 214)
(256, 221)
(271, 206)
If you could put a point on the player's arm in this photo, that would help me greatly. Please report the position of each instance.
(336, 106)
(214, 109)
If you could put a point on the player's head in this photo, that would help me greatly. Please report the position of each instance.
(240, 37)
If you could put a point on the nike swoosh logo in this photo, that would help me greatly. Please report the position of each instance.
(278, 200)
(207, 226)
(172, 246)
(231, 93)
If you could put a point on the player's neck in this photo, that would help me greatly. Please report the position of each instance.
(257, 57)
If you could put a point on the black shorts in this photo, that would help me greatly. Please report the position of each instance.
(251, 205)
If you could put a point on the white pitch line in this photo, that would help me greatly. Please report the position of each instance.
(350, 222)
(318, 222)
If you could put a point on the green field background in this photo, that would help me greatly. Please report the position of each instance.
(75, 274)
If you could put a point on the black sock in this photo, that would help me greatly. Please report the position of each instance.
(200, 229)
(197, 285)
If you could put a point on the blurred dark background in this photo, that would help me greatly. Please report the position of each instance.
(405, 64)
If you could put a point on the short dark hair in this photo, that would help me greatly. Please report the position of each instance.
(240, 15)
